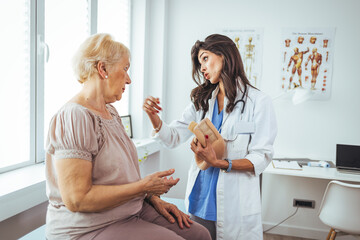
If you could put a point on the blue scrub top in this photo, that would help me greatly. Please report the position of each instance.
(202, 200)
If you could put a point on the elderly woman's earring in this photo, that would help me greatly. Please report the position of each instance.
(106, 76)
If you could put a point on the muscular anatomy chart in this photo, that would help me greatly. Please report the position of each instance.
(296, 60)
(307, 57)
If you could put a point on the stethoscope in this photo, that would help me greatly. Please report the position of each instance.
(243, 101)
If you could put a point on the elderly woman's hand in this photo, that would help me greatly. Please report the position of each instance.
(158, 183)
(169, 211)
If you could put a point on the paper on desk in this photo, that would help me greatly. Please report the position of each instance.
(283, 164)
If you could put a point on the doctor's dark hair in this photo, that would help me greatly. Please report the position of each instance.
(232, 73)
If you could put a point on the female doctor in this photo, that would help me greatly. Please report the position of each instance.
(225, 198)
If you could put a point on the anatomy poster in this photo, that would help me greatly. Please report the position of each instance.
(249, 43)
(307, 58)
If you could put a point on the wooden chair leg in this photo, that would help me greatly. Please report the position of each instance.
(328, 236)
(333, 235)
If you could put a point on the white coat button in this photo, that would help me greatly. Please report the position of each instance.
(220, 224)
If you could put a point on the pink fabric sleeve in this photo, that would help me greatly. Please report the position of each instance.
(72, 134)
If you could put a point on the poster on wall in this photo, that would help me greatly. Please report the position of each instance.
(249, 42)
(307, 59)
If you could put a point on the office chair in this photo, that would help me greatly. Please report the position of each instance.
(340, 208)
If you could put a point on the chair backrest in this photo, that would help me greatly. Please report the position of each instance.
(340, 207)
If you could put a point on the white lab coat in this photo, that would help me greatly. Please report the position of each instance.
(249, 135)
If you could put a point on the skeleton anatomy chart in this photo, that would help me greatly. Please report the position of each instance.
(307, 57)
(249, 43)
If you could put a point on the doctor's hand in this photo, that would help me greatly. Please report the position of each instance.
(152, 108)
(151, 105)
(170, 211)
(206, 153)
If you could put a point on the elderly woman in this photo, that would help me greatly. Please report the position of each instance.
(93, 180)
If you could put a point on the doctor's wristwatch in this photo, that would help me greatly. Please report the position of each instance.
(230, 165)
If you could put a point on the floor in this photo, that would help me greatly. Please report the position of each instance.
(268, 236)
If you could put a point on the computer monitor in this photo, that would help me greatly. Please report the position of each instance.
(348, 157)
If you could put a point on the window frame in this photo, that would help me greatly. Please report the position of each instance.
(38, 52)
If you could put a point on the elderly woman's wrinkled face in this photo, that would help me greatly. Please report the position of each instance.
(211, 65)
(117, 79)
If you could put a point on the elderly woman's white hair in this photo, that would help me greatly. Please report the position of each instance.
(98, 47)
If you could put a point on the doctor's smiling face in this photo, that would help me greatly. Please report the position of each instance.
(211, 65)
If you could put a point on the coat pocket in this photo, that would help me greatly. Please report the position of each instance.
(237, 139)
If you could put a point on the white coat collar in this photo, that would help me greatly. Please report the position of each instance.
(239, 94)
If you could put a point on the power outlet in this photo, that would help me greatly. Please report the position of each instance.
(304, 203)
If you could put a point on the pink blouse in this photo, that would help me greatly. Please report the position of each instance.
(76, 132)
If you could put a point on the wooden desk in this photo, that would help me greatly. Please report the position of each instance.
(280, 187)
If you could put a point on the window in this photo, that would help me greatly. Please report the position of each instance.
(37, 77)
(16, 87)
(117, 23)
(65, 29)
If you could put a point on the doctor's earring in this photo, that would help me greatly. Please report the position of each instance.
(106, 76)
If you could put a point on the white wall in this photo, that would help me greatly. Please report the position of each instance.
(165, 31)
(277, 205)
(311, 129)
